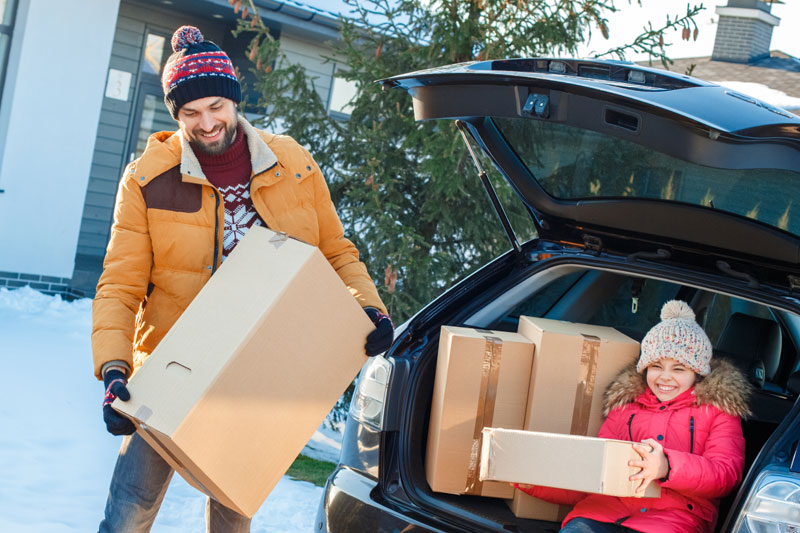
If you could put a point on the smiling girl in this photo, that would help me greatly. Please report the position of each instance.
(684, 412)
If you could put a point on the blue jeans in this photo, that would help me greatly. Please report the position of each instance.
(587, 525)
(140, 480)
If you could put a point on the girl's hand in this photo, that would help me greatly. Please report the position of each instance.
(654, 464)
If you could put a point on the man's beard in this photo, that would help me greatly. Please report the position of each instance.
(217, 147)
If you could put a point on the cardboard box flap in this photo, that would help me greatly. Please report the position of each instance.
(561, 327)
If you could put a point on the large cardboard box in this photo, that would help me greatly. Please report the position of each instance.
(482, 380)
(574, 365)
(585, 464)
(243, 379)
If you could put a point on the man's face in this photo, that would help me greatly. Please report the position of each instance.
(209, 123)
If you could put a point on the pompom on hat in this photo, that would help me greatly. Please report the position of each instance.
(678, 336)
(197, 69)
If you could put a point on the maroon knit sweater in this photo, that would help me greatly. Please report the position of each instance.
(230, 173)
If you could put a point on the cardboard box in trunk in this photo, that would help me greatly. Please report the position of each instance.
(573, 462)
(574, 365)
(482, 380)
(249, 371)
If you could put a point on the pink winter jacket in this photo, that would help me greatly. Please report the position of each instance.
(701, 433)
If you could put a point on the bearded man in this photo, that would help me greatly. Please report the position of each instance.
(181, 209)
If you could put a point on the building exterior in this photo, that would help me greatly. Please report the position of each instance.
(80, 95)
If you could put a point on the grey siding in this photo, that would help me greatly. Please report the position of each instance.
(116, 127)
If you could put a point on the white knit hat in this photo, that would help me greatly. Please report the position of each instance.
(677, 337)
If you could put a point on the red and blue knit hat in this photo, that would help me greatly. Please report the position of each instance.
(197, 69)
(677, 337)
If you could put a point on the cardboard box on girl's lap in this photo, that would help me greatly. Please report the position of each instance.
(573, 462)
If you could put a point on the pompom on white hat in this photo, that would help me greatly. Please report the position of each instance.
(678, 336)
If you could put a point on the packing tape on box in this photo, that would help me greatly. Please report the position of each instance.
(490, 372)
(587, 372)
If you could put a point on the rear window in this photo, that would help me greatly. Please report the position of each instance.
(572, 164)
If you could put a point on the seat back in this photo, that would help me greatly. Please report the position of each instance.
(753, 344)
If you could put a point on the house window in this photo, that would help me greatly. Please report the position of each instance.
(8, 9)
(342, 93)
(156, 53)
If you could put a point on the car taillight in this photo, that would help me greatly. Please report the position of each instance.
(370, 394)
(773, 505)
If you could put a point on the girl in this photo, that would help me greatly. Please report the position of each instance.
(685, 411)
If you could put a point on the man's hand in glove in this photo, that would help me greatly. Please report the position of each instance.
(115, 382)
(379, 340)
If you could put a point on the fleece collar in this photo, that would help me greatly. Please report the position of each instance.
(725, 388)
(261, 156)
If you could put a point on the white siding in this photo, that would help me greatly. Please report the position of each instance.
(53, 109)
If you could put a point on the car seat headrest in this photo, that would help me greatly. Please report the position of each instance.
(753, 344)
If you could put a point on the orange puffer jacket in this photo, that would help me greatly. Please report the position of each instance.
(166, 239)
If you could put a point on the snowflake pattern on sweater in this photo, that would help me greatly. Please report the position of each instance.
(240, 215)
(230, 172)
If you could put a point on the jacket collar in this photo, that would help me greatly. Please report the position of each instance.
(725, 388)
(649, 400)
(261, 156)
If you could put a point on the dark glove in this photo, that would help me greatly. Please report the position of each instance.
(116, 424)
(379, 340)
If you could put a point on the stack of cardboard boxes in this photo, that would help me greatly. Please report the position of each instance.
(549, 377)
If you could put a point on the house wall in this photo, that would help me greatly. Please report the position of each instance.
(116, 127)
(311, 55)
(50, 109)
(57, 193)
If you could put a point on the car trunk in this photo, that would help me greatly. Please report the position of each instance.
(644, 186)
(579, 293)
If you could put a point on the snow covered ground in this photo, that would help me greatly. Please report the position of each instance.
(56, 457)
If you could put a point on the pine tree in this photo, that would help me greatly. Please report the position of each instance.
(407, 192)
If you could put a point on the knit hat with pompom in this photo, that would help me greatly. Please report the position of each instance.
(197, 69)
(677, 337)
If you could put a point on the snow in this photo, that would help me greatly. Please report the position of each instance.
(56, 457)
(763, 93)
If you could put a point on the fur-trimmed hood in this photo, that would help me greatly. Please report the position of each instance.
(725, 388)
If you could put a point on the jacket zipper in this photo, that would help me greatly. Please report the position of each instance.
(216, 230)
(630, 421)
(691, 434)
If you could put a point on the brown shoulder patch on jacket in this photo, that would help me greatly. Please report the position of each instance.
(168, 191)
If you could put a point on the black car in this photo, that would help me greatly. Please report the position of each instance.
(643, 186)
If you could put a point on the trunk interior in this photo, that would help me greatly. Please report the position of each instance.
(760, 341)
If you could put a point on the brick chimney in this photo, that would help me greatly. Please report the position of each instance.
(744, 31)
